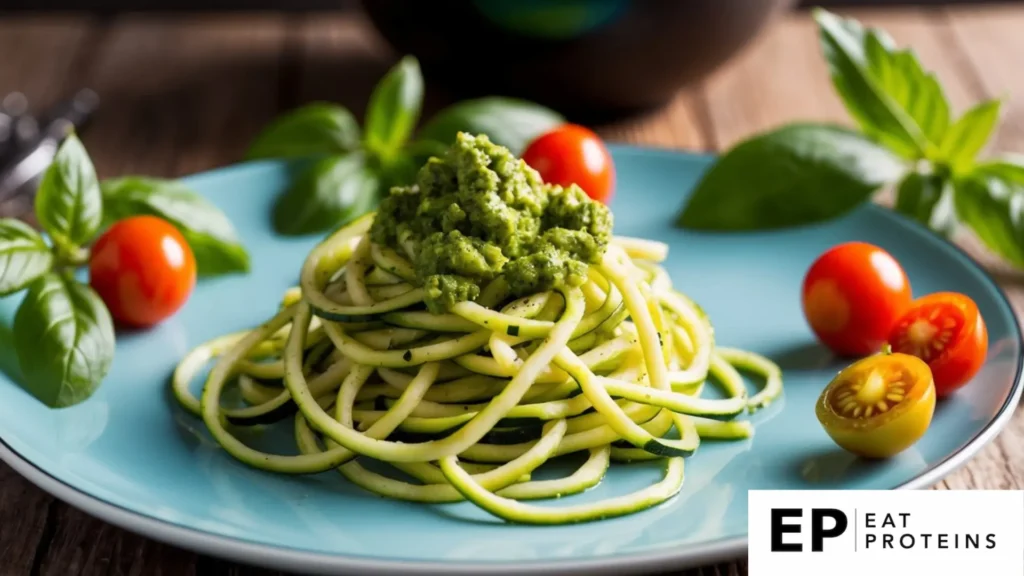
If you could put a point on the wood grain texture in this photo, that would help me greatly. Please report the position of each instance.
(781, 79)
(82, 545)
(49, 56)
(990, 39)
(56, 46)
(680, 124)
(186, 93)
(23, 521)
(183, 94)
(339, 59)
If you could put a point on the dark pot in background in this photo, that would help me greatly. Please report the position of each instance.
(582, 57)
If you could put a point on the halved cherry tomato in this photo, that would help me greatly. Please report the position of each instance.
(572, 154)
(945, 330)
(143, 269)
(852, 295)
(879, 406)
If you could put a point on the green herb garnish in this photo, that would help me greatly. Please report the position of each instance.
(905, 139)
(63, 332)
(354, 169)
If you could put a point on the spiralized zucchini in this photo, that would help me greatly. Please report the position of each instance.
(469, 403)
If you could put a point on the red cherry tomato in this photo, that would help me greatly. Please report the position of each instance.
(143, 270)
(572, 154)
(852, 296)
(945, 330)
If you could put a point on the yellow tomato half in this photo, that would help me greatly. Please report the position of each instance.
(879, 406)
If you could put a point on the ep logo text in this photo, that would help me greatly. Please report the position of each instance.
(897, 532)
(824, 523)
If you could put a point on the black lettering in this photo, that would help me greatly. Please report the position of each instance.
(868, 540)
(888, 522)
(991, 539)
(943, 541)
(904, 516)
(869, 520)
(779, 527)
(973, 541)
(903, 541)
(925, 537)
(818, 531)
(886, 540)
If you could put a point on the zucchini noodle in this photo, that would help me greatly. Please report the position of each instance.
(468, 404)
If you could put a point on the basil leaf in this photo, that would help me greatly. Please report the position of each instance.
(314, 129)
(798, 174)
(509, 122)
(899, 74)
(928, 198)
(969, 134)
(394, 108)
(1009, 168)
(24, 256)
(886, 92)
(68, 202)
(330, 193)
(64, 339)
(994, 209)
(207, 230)
(399, 171)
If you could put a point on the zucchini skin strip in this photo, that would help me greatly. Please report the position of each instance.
(437, 493)
(754, 362)
(586, 476)
(211, 410)
(614, 416)
(462, 439)
(470, 403)
(520, 513)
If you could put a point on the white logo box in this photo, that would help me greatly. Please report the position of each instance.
(887, 532)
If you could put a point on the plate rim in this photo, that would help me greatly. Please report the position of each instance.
(286, 558)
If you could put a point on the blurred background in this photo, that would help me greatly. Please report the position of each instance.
(117, 5)
(178, 86)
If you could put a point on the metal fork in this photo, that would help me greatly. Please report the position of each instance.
(28, 144)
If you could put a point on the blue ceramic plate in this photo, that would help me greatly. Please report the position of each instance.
(130, 456)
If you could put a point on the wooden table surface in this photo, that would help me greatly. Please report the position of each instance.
(186, 93)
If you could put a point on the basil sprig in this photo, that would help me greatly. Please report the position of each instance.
(906, 139)
(63, 332)
(353, 168)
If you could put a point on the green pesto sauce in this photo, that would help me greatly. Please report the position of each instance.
(479, 213)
